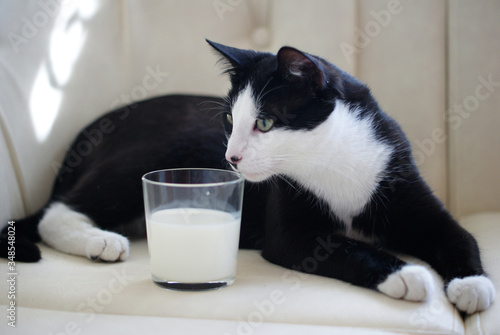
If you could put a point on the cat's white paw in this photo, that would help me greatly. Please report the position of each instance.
(107, 246)
(412, 282)
(471, 294)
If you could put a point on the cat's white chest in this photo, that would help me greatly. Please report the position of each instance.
(346, 162)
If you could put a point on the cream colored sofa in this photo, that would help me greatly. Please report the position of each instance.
(433, 65)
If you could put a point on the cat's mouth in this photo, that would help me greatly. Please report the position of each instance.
(249, 175)
(234, 166)
(253, 177)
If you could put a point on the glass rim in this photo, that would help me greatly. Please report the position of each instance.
(239, 178)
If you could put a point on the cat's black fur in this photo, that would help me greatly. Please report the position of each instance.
(290, 224)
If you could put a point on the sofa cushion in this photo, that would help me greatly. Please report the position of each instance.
(473, 106)
(11, 190)
(47, 321)
(263, 293)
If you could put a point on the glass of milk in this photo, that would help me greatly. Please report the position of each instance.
(193, 224)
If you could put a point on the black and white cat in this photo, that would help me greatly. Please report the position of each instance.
(331, 179)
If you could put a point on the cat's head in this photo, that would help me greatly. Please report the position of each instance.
(272, 99)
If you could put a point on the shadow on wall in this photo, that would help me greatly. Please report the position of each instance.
(66, 22)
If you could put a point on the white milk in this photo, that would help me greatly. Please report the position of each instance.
(192, 245)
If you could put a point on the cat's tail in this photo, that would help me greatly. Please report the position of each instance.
(18, 238)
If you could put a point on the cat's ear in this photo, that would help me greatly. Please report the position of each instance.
(236, 58)
(296, 64)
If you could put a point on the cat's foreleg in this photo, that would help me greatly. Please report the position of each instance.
(467, 285)
(453, 252)
(74, 233)
(355, 262)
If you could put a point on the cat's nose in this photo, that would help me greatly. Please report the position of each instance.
(234, 159)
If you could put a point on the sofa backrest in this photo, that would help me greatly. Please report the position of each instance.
(64, 63)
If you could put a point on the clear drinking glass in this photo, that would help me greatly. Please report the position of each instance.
(193, 221)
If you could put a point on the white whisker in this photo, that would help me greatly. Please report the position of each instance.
(259, 96)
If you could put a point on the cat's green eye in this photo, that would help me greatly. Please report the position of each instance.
(229, 118)
(264, 125)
